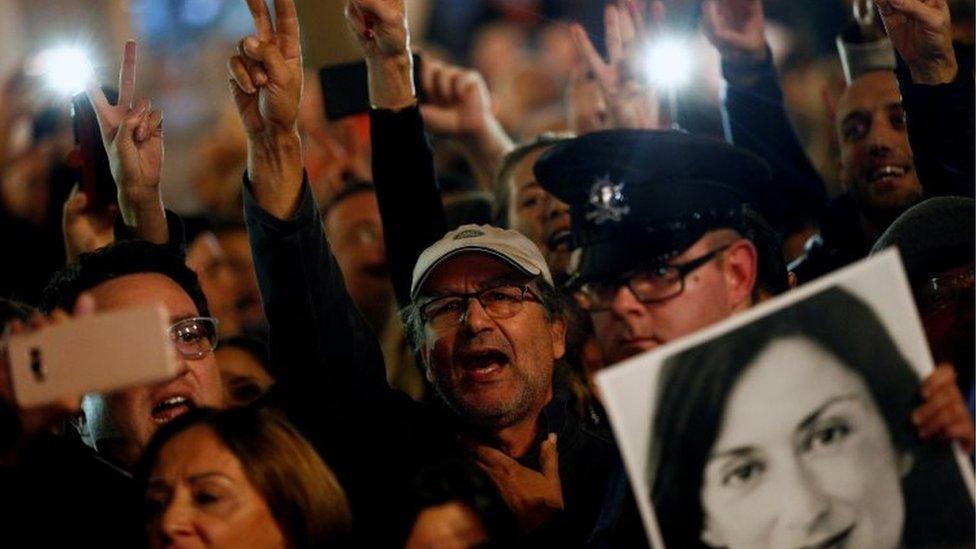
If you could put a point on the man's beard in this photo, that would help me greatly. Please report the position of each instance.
(497, 416)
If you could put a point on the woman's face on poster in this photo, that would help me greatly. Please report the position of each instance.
(803, 458)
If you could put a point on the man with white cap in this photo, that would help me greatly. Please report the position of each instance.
(488, 324)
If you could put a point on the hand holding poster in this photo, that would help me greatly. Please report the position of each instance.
(789, 426)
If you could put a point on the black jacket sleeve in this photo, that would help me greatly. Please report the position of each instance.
(406, 188)
(328, 360)
(941, 131)
(754, 118)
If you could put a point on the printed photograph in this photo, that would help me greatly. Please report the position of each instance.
(793, 428)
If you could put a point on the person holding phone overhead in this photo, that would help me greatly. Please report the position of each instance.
(83, 476)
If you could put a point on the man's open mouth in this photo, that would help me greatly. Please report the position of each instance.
(561, 240)
(171, 407)
(483, 366)
(887, 172)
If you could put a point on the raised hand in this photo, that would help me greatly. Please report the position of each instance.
(266, 81)
(380, 27)
(735, 27)
(459, 106)
(532, 496)
(586, 106)
(458, 100)
(632, 102)
(921, 32)
(85, 230)
(266, 73)
(944, 414)
(132, 133)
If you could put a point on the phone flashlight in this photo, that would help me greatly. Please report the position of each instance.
(668, 63)
(65, 69)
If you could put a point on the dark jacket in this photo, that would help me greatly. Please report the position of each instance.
(595, 491)
(940, 131)
(59, 492)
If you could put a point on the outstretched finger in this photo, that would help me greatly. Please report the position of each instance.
(626, 22)
(636, 12)
(127, 75)
(286, 25)
(262, 19)
(614, 35)
(591, 56)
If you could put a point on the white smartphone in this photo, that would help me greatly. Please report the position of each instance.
(97, 353)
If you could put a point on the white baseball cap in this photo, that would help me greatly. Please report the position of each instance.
(507, 245)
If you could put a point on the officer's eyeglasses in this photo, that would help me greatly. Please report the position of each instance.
(194, 337)
(648, 285)
(500, 302)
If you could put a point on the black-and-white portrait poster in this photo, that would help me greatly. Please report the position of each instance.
(790, 426)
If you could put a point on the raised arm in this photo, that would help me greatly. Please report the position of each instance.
(632, 102)
(754, 115)
(937, 94)
(459, 108)
(328, 359)
(403, 164)
(132, 132)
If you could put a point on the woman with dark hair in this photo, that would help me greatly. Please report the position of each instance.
(241, 477)
(795, 431)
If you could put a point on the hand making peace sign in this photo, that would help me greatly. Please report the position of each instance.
(266, 73)
(131, 131)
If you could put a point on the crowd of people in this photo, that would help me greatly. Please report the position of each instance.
(411, 304)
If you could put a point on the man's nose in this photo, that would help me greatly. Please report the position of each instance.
(883, 138)
(476, 318)
(625, 303)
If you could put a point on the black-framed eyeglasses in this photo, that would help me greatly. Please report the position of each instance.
(648, 285)
(500, 302)
(194, 337)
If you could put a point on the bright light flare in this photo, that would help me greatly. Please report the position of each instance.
(65, 69)
(668, 63)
